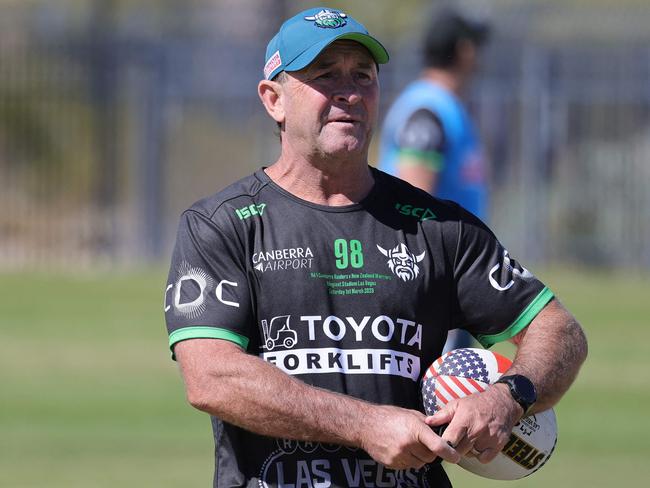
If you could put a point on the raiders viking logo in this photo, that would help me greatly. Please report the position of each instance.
(402, 262)
(328, 19)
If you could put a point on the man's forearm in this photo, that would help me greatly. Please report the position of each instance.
(550, 352)
(246, 391)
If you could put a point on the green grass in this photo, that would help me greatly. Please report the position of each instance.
(90, 398)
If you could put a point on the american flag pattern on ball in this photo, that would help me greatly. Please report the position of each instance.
(459, 373)
(465, 363)
(462, 372)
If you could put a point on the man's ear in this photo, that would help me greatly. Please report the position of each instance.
(271, 94)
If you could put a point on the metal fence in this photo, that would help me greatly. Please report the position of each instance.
(570, 151)
(114, 116)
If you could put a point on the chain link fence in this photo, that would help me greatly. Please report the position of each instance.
(114, 116)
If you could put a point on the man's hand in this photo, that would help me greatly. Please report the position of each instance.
(479, 424)
(399, 438)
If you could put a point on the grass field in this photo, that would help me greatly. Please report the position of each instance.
(90, 398)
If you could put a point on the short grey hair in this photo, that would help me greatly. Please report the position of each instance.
(281, 77)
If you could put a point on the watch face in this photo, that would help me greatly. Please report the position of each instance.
(521, 389)
(525, 389)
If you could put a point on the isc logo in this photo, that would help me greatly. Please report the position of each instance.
(250, 210)
(419, 213)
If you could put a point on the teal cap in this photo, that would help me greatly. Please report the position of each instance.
(302, 38)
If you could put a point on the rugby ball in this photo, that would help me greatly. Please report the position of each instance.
(463, 372)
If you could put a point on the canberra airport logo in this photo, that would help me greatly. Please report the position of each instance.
(285, 259)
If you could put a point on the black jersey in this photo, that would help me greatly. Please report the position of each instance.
(356, 299)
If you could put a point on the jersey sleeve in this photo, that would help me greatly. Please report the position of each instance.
(496, 296)
(422, 140)
(207, 293)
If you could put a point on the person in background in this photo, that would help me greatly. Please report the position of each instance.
(428, 137)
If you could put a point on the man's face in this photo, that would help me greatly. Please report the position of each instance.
(331, 106)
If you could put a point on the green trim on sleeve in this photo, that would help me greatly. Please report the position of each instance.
(525, 318)
(432, 160)
(201, 332)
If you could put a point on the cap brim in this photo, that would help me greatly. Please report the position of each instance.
(377, 50)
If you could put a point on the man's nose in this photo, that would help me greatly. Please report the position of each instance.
(348, 92)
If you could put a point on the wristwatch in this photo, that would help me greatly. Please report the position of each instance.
(522, 390)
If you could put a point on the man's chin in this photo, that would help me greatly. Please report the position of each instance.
(348, 144)
(348, 150)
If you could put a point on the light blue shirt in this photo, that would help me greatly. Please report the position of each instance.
(462, 175)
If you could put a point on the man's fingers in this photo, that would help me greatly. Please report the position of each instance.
(439, 429)
(463, 446)
(421, 452)
(455, 436)
(439, 418)
(408, 460)
(439, 421)
(474, 452)
(438, 446)
(448, 453)
(487, 455)
(450, 433)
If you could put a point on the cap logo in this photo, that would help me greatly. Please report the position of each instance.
(328, 19)
(273, 62)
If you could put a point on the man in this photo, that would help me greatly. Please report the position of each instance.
(428, 137)
(304, 302)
